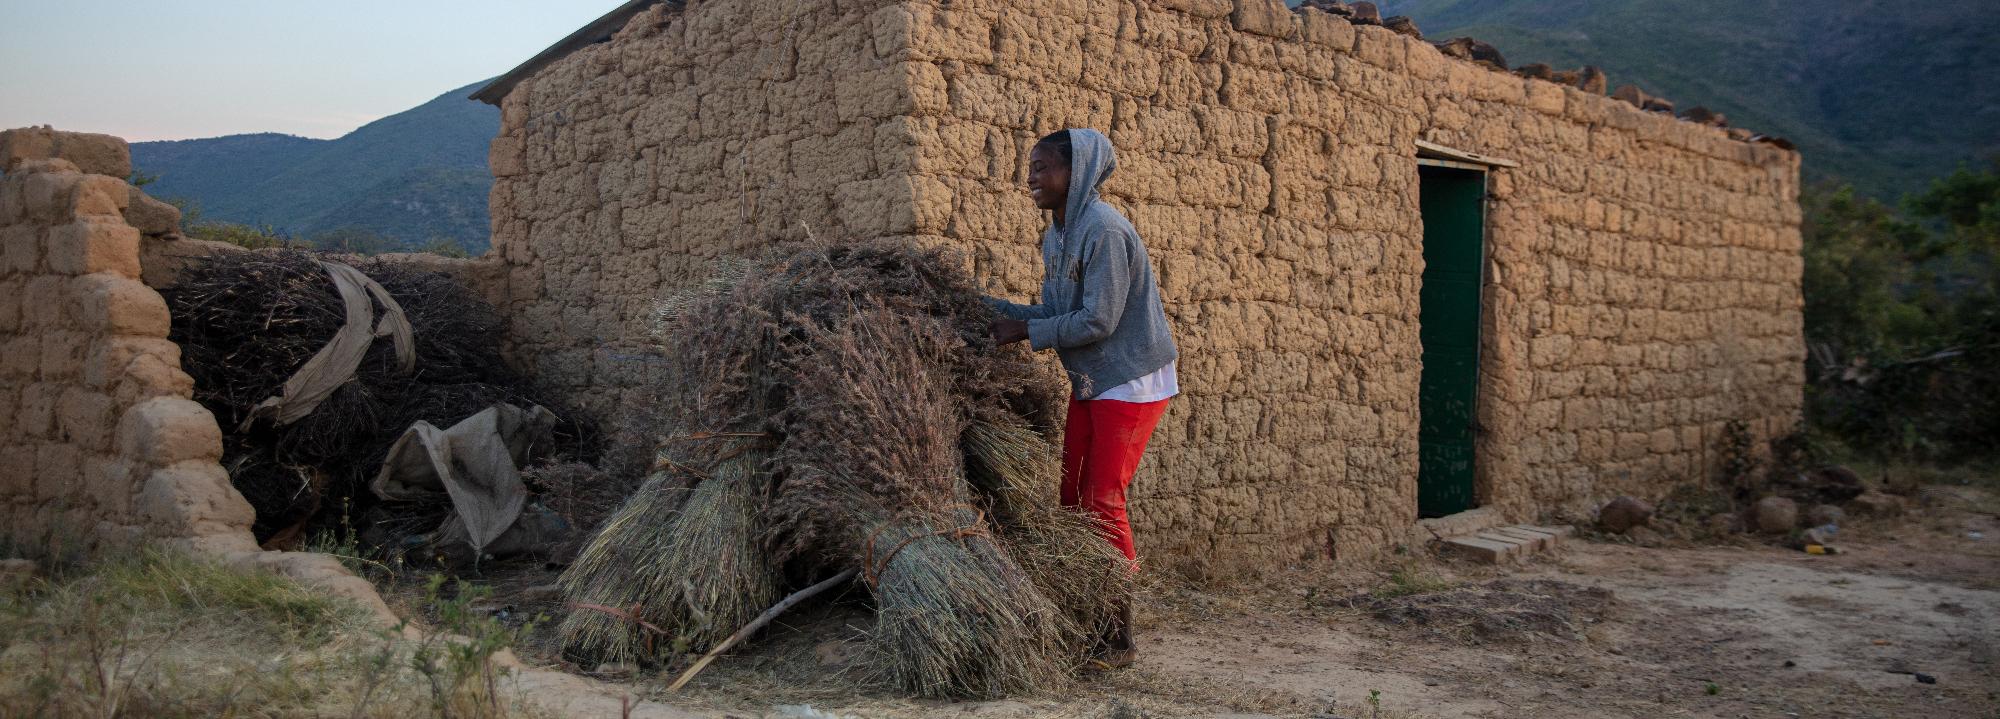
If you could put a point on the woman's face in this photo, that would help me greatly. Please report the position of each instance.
(1048, 178)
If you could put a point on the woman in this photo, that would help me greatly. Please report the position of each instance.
(1100, 311)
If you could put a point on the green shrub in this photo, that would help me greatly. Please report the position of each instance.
(1903, 322)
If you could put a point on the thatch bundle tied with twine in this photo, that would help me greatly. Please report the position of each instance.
(839, 409)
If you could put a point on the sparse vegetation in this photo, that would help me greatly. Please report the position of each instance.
(1411, 579)
(159, 634)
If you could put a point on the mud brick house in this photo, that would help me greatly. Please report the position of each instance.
(1404, 284)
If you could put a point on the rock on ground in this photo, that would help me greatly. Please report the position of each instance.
(1776, 515)
(1622, 514)
(17, 572)
(1875, 504)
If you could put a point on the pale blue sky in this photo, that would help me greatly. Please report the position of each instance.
(174, 69)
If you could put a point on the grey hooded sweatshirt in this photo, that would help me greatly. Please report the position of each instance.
(1100, 306)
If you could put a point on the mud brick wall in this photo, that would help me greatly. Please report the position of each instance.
(1642, 280)
(624, 170)
(101, 446)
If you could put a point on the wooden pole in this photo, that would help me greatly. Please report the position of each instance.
(755, 624)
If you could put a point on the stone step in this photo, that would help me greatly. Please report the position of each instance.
(1504, 543)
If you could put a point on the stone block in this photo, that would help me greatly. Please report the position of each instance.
(507, 156)
(45, 191)
(903, 88)
(1381, 47)
(117, 305)
(1201, 8)
(84, 417)
(1264, 17)
(150, 216)
(107, 480)
(1479, 549)
(18, 457)
(20, 249)
(88, 246)
(111, 357)
(1536, 540)
(1521, 546)
(91, 152)
(1424, 61)
(99, 196)
(876, 208)
(165, 430)
(10, 305)
(1323, 28)
(20, 145)
(35, 414)
(935, 33)
(13, 199)
(58, 472)
(20, 356)
(1258, 91)
(63, 352)
(192, 498)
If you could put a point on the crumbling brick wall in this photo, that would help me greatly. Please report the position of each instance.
(101, 445)
(1642, 280)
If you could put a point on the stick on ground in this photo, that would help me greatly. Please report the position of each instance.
(758, 623)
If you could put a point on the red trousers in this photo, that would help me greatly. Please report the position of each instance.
(1102, 443)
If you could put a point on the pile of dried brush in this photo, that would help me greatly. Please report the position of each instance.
(246, 321)
(840, 407)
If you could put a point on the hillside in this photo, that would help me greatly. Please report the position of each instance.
(414, 176)
(1884, 95)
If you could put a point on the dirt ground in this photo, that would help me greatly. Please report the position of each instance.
(1602, 627)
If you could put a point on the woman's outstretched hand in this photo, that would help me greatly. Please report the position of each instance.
(1008, 331)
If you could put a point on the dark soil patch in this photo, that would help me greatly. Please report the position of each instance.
(1502, 610)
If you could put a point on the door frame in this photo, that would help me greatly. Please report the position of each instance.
(1430, 154)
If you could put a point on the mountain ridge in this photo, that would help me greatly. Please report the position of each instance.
(1884, 96)
(414, 177)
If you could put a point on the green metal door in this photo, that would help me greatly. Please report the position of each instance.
(1454, 213)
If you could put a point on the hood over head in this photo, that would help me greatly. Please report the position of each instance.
(1090, 164)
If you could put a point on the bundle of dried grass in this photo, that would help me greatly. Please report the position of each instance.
(675, 570)
(867, 367)
(874, 424)
(1017, 472)
(954, 616)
